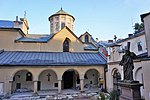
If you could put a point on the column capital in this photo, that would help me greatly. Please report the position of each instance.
(81, 77)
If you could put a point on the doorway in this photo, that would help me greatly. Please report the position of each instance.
(68, 79)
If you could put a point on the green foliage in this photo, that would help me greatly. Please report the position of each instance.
(138, 27)
(104, 96)
(114, 95)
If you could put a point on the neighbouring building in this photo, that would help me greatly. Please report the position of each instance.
(56, 61)
(146, 61)
(115, 53)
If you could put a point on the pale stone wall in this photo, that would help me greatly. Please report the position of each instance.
(58, 19)
(7, 73)
(116, 56)
(7, 39)
(146, 78)
(147, 31)
(115, 66)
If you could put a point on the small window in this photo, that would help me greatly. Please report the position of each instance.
(66, 46)
(57, 26)
(57, 18)
(55, 84)
(62, 25)
(86, 39)
(139, 44)
(28, 76)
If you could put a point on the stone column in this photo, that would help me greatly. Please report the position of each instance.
(59, 86)
(82, 85)
(10, 86)
(35, 86)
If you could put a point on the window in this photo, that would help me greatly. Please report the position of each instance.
(86, 39)
(62, 25)
(52, 27)
(55, 84)
(28, 76)
(57, 18)
(57, 26)
(139, 44)
(66, 46)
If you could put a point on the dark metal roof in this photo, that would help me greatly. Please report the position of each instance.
(128, 38)
(143, 16)
(6, 24)
(24, 58)
(143, 55)
(42, 38)
(90, 46)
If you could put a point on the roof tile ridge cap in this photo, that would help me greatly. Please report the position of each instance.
(1, 51)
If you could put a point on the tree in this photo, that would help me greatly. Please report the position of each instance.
(138, 27)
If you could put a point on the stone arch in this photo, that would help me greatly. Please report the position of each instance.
(116, 76)
(139, 77)
(21, 70)
(45, 70)
(136, 72)
(47, 79)
(92, 78)
(22, 80)
(114, 70)
(70, 78)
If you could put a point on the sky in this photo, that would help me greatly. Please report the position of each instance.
(101, 18)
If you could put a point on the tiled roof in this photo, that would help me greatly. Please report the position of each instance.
(61, 12)
(126, 39)
(90, 46)
(43, 38)
(6, 24)
(22, 58)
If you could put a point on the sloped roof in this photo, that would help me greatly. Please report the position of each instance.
(126, 39)
(90, 46)
(39, 39)
(24, 58)
(144, 15)
(6, 24)
(61, 12)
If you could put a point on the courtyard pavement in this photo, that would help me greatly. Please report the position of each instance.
(67, 94)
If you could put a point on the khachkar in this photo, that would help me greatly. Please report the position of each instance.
(130, 89)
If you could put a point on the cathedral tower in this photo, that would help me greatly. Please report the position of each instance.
(59, 20)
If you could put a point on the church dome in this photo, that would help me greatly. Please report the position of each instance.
(61, 12)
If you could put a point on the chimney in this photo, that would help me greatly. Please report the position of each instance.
(130, 35)
(16, 18)
(110, 41)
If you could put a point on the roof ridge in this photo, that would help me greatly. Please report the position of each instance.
(1, 51)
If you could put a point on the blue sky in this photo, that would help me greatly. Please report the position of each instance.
(101, 18)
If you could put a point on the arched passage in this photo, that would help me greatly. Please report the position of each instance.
(116, 78)
(70, 79)
(91, 78)
(139, 77)
(47, 80)
(22, 81)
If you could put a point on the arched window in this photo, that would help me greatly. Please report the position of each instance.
(66, 46)
(28, 76)
(86, 39)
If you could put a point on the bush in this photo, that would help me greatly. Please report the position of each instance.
(115, 95)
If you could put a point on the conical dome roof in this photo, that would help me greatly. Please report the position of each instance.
(61, 12)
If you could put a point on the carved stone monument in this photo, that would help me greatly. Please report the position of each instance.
(130, 89)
